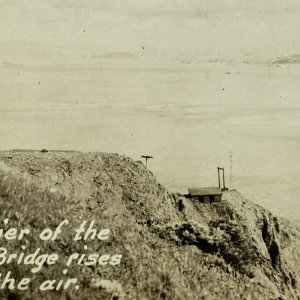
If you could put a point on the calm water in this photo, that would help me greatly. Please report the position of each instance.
(188, 117)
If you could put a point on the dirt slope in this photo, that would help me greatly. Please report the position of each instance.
(172, 247)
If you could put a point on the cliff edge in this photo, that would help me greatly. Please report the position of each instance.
(172, 247)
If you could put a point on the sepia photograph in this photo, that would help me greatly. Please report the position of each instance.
(149, 149)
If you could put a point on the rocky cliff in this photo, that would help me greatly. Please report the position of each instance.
(172, 247)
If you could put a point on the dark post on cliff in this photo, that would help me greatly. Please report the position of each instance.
(146, 158)
(221, 169)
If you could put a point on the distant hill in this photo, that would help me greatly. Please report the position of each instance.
(293, 59)
(172, 247)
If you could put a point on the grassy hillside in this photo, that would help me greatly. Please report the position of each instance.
(172, 248)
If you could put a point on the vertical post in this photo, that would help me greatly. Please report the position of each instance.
(231, 176)
(221, 169)
(146, 158)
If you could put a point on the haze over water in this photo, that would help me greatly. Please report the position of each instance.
(189, 117)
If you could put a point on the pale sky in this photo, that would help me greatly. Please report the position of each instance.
(58, 30)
